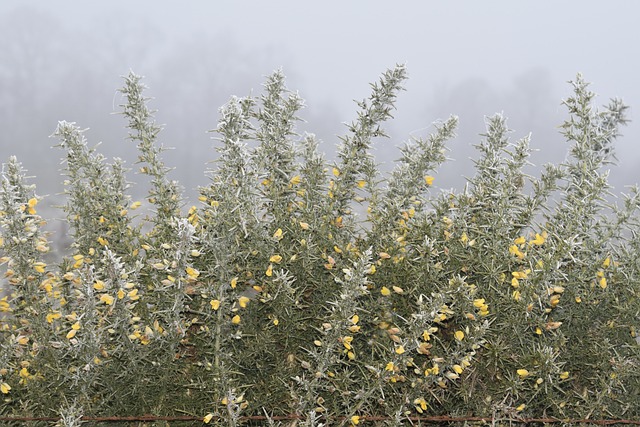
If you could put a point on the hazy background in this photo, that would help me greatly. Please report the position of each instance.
(62, 60)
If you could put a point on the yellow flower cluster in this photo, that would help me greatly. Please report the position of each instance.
(5, 307)
(601, 276)
(481, 306)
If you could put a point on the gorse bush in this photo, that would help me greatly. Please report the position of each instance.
(298, 286)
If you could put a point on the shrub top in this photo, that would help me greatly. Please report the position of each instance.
(298, 286)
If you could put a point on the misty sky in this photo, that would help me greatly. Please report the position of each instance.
(62, 60)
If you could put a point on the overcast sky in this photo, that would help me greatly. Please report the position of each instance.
(471, 58)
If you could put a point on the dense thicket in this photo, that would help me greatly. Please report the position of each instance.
(296, 286)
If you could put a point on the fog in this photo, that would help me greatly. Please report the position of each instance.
(64, 61)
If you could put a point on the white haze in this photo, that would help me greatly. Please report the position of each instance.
(63, 60)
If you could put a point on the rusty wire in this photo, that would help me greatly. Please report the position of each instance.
(293, 417)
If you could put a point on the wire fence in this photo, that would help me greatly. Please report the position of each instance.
(188, 420)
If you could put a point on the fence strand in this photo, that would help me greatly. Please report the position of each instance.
(293, 417)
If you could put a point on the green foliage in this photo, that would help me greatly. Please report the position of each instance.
(298, 287)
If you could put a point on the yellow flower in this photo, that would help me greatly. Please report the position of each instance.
(32, 204)
(346, 341)
(520, 240)
(22, 340)
(295, 180)
(390, 367)
(523, 373)
(24, 372)
(99, 285)
(107, 299)
(157, 327)
(514, 250)
(457, 369)
(79, 260)
(275, 258)
(71, 334)
(539, 240)
(399, 349)
(459, 335)
(429, 180)
(5, 388)
(192, 272)
(516, 295)
(521, 407)
(421, 404)
(215, 304)
(269, 271)
(121, 293)
(75, 326)
(243, 301)
(234, 282)
(53, 316)
(564, 375)
(5, 307)
(385, 291)
(135, 205)
(603, 282)
(521, 274)
(606, 263)
(361, 183)
(207, 418)
(355, 420)
(235, 320)
(335, 172)
(451, 375)
(304, 225)
(39, 267)
(278, 234)
(423, 348)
